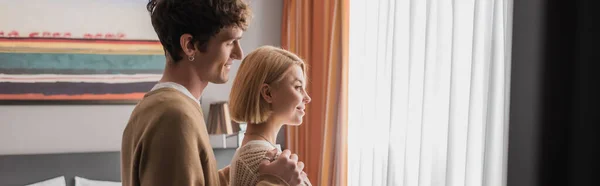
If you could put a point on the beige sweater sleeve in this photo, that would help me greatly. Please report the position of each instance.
(270, 180)
(224, 176)
(170, 153)
(263, 180)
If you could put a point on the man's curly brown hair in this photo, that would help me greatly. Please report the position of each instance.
(202, 19)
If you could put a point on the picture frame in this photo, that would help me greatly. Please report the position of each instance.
(105, 59)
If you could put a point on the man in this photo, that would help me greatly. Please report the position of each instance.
(165, 141)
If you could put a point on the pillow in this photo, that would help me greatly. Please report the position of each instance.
(58, 181)
(79, 181)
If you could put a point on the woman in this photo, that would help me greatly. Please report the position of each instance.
(267, 93)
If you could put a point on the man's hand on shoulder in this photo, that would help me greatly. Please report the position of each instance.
(286, 166)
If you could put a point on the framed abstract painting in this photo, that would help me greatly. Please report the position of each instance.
(77, 52)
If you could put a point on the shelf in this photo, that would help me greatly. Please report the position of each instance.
(225, 141)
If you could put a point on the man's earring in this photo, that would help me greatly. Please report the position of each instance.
(191, 58)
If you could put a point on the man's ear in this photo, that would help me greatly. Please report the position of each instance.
(187, 46)
(265, 92)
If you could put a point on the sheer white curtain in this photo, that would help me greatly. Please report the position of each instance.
(429, 92)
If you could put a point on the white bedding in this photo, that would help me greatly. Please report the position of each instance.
(79, 181)
(58, 181)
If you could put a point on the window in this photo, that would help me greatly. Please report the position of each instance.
(428, 92)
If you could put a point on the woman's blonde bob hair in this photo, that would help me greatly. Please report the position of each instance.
(265, 65)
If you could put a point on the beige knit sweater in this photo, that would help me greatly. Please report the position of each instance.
(244, 165)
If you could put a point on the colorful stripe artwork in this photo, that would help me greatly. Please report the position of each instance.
(83, 69)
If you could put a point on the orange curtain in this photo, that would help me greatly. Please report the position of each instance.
(317, 30)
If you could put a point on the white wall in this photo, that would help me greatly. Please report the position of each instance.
(90, 128)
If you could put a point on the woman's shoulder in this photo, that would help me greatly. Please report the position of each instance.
(252, 152)
(244, 165)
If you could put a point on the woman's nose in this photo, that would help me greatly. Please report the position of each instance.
(306, 98)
